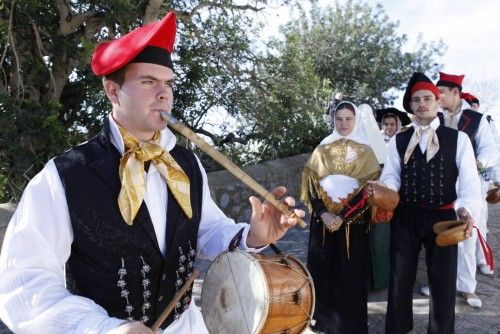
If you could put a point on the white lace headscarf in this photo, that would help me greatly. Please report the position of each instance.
(357, 133)
(339, 186)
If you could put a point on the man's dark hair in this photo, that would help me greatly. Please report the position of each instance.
(117, 76)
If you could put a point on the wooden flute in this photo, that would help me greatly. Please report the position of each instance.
(229, 165)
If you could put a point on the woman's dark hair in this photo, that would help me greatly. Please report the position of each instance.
(344, 105)
(389, 115)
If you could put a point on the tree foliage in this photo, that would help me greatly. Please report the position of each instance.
(358, 49)
(350, 48)
(50, 100)
(287, 115)
(50, 97)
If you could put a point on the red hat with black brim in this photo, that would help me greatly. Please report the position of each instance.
(469, 98)
(151, 43)
(387, 112)
(450, 80)
(418, 81)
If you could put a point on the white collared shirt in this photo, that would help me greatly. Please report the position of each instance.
(37, 244)
(486, 150)
(469, 187)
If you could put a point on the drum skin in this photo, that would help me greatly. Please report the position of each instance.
(254, 293)
(383, 197)
(449, 232)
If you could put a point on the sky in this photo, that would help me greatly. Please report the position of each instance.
(470, 30)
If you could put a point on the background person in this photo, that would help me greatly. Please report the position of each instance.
(334, 175)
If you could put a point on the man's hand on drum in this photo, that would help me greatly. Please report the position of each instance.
(464, 215)
(268, 224)
(332, 222)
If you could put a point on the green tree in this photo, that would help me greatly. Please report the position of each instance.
(350, 48)
(357, 48)
(50, 100)
(287, 113)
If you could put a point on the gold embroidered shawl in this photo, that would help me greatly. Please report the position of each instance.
(344, 157)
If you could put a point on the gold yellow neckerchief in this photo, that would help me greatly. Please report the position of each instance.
(432, 143)
(132, 175)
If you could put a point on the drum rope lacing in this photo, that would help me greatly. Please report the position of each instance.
(308, 280)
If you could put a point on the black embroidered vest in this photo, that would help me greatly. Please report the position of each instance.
(429, 184)
(121, 267)
(468, 123)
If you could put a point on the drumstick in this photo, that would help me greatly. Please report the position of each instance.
(174, 301)
(229, 165)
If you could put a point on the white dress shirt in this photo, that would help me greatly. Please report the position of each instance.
(385, 137)
(469, 187)
(494, 172)
(486, 151)
(37, 244)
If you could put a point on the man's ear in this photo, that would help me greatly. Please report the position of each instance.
(456, 91)
(111, 89)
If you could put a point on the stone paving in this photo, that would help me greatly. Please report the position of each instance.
(468, 320)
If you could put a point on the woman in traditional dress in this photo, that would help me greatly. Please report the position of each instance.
(332, 187)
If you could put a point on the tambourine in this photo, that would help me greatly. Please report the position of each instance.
(449, 232)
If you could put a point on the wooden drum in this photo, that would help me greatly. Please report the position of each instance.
(253, 293)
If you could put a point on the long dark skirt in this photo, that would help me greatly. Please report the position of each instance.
(340, 280)
(379, 256)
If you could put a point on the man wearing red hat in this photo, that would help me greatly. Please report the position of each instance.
(423, 164)
(476, 127)
(107, 233)
(492, 173)
(471, 100)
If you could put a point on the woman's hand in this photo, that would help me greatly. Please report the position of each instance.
(369, 188)
(332, 222)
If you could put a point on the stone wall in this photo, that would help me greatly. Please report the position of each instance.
(232, 195)
(227, 191)
(6, 212)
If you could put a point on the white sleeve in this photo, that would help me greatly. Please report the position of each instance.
(469, 185)
(496, 135)
(37, 244)
(216, 229)
(495, 170)
(391, 174)
(486, 147)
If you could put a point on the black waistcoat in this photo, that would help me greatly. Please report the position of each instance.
(468, 123)
(118, 266)
(429, 184)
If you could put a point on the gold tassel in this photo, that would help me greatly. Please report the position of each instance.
(347, 238)
(324, 234)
